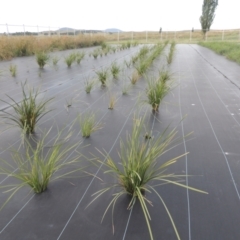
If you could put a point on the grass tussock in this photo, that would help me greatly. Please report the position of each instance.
(42, 59)
(28, 112)
(140, 171)
(88, 124)
(39, 164)
(102, 76)
(13, 70)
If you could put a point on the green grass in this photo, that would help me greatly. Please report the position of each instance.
(79, 57)
(27, 112)
(70, 59)
(89, 84)
(88, 124)
(115, 70)
(102, 76)
(39, 164)
(156, 90)
(42, 59)
(140, 170)
(228, 49)
(55, 60)
(13, 70)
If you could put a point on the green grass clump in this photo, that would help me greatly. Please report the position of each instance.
(164, 75)
(89, 84)
(55, 60)
(171, 53)
(39, 164)
(140, 170)
(79, 57)
(115, 70)
(102, 76)
(70, 59)
(95, 53)
(88, 124)
(42, 59)
(13, 70)
(156, 90)
(230, 50)
(27, 112)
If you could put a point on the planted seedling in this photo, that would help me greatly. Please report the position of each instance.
(70, 59)
(89, 84)
(112, 101)
(140, 171)
(134, 78)
(27, 112)
(128, 63)
(79, 57)
(102, 76)
(55, 60)
(156, 91)
(42, 59)
(39, 163)
(115, 69)
(88, 124)
(13, 70)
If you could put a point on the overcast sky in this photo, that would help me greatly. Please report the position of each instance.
(127, 15)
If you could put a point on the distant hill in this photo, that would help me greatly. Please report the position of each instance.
(113, 30)
(65, 29)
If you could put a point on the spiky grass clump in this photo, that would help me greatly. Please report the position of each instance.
(88, 124)
(79, 57)
(140, 170)
(115, 70)
(55, 60)
(13, 70)
(171, 53)
(142, 66)
(102, 76)
(126, 88)
(38, 165)
(156, 91)
(42, 59)
(89, 84)
(112, 101)
(134, 78)
(70, 59)
(95, 53)
(27, 112)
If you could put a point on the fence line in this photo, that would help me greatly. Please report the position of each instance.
(145, 36)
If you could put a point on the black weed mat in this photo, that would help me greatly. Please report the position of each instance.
(206, 100)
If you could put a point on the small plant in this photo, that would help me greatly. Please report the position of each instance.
(13, 70)
(38, 165)
(140, 171)
(171, 53)
(79, 57)
(42, 59)
(95, 53)
(88, 124)
(156, 91)
(29, 111)
(126, 88)
(142, 66)
(102, 76)
(115, 69)
(70, 59)
(55, 60)
(112, 101)
(135, 77)
(89, 84)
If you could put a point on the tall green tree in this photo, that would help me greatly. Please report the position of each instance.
(208, 14)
